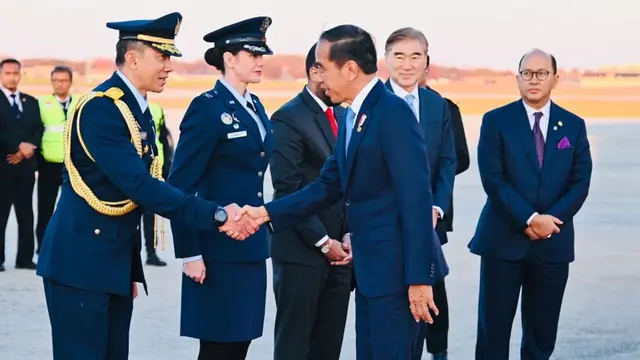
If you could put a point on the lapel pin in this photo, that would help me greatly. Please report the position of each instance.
(559, 123)
(235, 118)
(236, 126)
(359, 129)
(226, 119)
(555, 128)
(231, 102)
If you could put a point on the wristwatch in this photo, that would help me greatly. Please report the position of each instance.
(220, 216)
(326, 247)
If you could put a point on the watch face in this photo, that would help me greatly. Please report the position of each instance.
(221, 216)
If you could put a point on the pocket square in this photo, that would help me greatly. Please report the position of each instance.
(564, 143)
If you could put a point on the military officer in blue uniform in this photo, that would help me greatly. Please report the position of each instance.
(222, 155)
(90, 258)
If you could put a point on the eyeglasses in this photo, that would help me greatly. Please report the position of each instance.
(541, 75)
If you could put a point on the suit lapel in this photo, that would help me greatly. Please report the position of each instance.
(267, 143)
(362, 123)
(553, 136)
(239, 112)
(320, 117)
(523, 130)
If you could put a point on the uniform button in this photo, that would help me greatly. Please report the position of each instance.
(262, 154)
(348, 203)
(96, 231)
(138, 227)
(259, 194)
(260, 174)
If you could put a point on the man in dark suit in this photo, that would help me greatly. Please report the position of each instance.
(20, 135)
(535, 166)
(381, 170)
(437, 334)
(406, 55)
(312, 296)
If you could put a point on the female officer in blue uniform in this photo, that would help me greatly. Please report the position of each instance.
(222, 155)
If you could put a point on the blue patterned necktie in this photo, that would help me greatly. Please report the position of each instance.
(409, 99)
(539, 139)
(350, 117)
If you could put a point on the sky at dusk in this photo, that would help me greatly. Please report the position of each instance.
(464, 33)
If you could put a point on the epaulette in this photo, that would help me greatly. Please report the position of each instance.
(114, 93)
(210, 94)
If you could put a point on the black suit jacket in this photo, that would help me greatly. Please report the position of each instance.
(462, 150)
(28, 128)
(303, 140)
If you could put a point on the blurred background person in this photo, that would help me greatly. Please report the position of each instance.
(20, 136)
(53, 112)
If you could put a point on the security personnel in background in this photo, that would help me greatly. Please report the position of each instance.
(90, 257)
(53, 112)
(223, 153)
(164, 143)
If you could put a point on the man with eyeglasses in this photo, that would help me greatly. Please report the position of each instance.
(535, 166)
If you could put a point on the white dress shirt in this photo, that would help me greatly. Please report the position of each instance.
(544, 126)
(8, 94)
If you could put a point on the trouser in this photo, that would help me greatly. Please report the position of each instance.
(543, 286)
(16, 188)
(312, 304)
(211, 350)
(49, 181)
(88, 325)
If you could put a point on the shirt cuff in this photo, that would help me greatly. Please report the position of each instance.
(191, 259)
(440, 212)
(531, 218)
(322, 241)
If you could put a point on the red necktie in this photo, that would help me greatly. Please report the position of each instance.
(332, 121)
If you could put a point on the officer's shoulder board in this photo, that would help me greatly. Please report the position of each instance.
(211, 94)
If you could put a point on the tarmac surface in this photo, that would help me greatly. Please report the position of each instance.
(600, 320)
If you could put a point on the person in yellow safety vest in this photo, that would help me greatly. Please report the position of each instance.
(164, 141)
(53, 112)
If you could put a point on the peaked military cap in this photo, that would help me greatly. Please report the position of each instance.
(158, 33)
(250, 33)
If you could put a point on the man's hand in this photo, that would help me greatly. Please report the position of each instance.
(545, 225)
(436, 216)
(15, 159)
(420, 301)
(531, 234)
(241, 228)
(26, 149)
(346, 246)
(195, 270)
(135, 290)
(259, 214)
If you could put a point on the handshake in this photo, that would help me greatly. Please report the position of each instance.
(243, 222)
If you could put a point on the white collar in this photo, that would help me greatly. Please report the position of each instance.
(544, 110)
(243, 99)
(142, 102)
(402, 92)
(357, 102)
(9, 93)
(323, 106)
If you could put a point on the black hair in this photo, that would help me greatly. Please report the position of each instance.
(310, 61)
(10, 61)
(351, 43)
(215, 55)
(122, 46)
(63, 69)
(554, 63)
